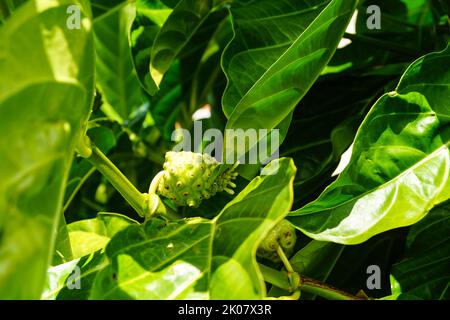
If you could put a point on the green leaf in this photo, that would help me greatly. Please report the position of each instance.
(242, 225)
(42, 108)
(165, 257)
(90, 235)
(399, 167)
(61, 279)
(88, 239)
(196, 258)
(425, 270)
(116, 76)
(276, 55)
(175, 33)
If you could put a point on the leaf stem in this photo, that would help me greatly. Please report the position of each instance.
(284, 259)
(325, 291)
(146, 205)
(277, 278)
(133, 196)
(280, 279)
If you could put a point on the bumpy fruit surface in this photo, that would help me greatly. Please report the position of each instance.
(283, 234)
(189, 177)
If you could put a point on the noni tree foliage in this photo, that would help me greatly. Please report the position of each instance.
(224, 149)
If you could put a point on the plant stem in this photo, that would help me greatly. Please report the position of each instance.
(277, 278)
(324, 290)
(169, 213)
(136, 199)
(280, 279)
(145, 205)
(382, 44)
(284, 259)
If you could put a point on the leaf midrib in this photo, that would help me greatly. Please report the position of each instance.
(236, 110)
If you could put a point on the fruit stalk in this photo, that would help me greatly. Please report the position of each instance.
(280, 279)
(138, 200)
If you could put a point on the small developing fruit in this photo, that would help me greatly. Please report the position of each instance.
(283, 235)
(190, 177)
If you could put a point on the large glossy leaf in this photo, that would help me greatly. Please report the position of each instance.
(278, 51)
(197, 258)
(116, 76)
(399, 167)
(253, 212)
(156, 261)
(425, 270)
(42, 108)
(37, 139)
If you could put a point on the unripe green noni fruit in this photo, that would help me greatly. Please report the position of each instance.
(283, 235)
(190, 177)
